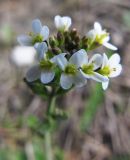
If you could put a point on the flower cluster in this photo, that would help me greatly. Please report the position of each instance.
(63, 58)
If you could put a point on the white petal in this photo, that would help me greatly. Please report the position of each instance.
(79, 58)
(36, 45)
(98, 27)
(45, 32)
(106, 39)
(99, 78)
(47, 76)
(55, 58)
(96, 60)
(114, 60)
(24, 40)
(66, 81)
(62, 22)
(96, 76)
(66, 21)
(79, 80)
(117, 71)
(36, 26)
(58, 21)
(91, 34)
(41, 49)
(110, 46)
(33, 73)
(105, 85)
(105, 60)
(60, 60)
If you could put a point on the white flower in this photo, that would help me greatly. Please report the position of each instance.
(23, 56)
(45, 70)
(40, 33)
(100, 36)
(71, 74)
(62, 23)
(110, 68)
(88, 67)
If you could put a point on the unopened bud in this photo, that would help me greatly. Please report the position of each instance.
(59, 36)
(84, 39)
(52, 42)
(56, 50)
(73, 33)
(77, 39)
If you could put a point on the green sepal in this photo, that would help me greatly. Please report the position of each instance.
(38, 88)
(62, 91)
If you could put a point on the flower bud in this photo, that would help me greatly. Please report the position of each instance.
(56, 50)
(52, 42)
(73, 33)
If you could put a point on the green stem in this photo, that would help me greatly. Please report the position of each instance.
(48, 147)
(51, 105)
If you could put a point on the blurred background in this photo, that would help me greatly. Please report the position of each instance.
(98, 127)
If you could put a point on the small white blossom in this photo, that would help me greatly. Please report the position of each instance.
(40, 33)
(23, 56)
(110, 68)
(100, 36)
(62, 23)
(71, 74)
(44, 70)
(88, 67)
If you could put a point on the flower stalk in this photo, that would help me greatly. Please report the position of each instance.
(47, 136)
(48, 146)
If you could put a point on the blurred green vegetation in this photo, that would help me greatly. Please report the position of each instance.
(32, 150)
(120, 157)
(126, 18)
(91, 107)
